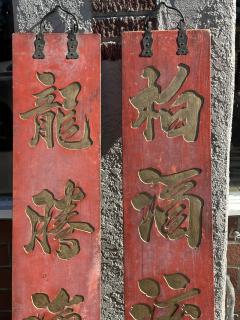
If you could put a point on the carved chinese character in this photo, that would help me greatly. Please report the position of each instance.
(176, 211)
(46, 109)
(57, 221)
(175, 306)
(180, 119)
(61, 306)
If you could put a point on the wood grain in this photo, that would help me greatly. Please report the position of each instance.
(37, 168)
(169, 155)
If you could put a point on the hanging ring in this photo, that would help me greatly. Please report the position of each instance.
(58, 7)
(147, 37)
(154, 13)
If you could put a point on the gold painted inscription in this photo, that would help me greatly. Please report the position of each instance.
(57, 221)
(175, 211)
(47, 109)
(174, 307)
(180, 119)
(62, 307)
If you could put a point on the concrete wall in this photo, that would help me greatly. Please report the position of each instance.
(219, 16)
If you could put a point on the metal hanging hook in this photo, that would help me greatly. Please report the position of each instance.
(72, 43)
(147, 37)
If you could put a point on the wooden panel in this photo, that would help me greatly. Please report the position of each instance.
(56, 221)
(167, 178)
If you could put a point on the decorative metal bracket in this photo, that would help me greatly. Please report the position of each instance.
(147, 43)
(147, 40)
(182, 39)
(72, 46)
(39, 44)
(72, 43)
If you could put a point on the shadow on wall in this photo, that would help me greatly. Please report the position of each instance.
(111, 183)
(111, 103)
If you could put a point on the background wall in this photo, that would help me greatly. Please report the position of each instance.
(219, 16)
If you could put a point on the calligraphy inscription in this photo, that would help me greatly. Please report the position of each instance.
(44, 115)
(56, 221)
(175, 306)
(180, 119)
(61, 306)
(172, 207)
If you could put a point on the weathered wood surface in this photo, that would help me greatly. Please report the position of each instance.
(52, 168)
(190, 148)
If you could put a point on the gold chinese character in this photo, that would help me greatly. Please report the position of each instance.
(61, 306)
(180, 119)
(66, 115)
(176, 307)
(57, 221)
(172, 208)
